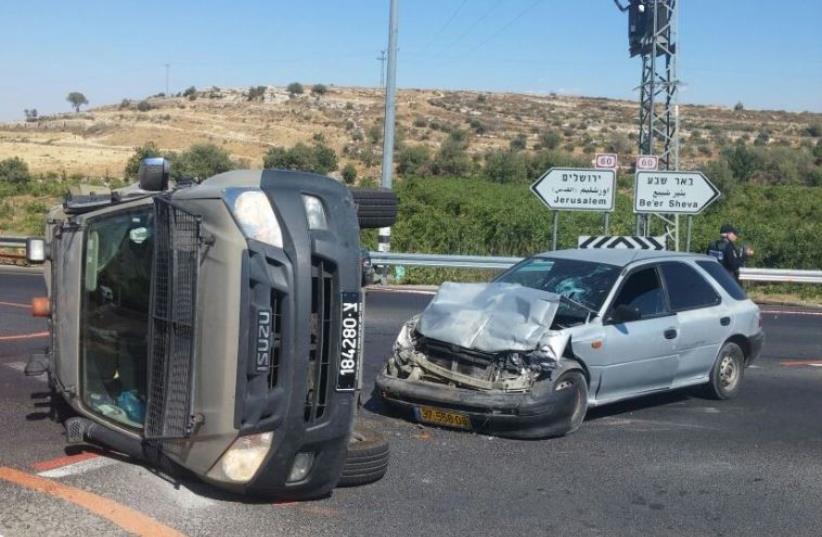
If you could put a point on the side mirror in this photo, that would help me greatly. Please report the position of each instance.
(153, 174)
(36, 251)
(625, 314)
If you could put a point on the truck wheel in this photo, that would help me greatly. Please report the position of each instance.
(574, 381)
(726, 375)
(367, 458)
(376, 207)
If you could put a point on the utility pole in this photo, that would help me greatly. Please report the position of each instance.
(381, 58)
(388, 131)
(652, 35)
(168, 70)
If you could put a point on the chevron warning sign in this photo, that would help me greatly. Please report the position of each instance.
(621, 241)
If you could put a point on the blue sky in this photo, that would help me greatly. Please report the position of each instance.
(766, 54)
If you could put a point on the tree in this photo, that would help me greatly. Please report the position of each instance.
(349, 174)
(77, 100)
(739, 107)
(144, 106)
(319, 89)
(14, 171)
(294, 89)
(31, 115)
(191, 93)
(201, 161)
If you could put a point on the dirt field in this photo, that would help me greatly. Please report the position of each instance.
(98, 142)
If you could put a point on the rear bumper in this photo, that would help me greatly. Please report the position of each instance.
(756, 341)
(540, 413)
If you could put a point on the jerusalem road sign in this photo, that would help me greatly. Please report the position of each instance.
(673, 192)
(576, 189)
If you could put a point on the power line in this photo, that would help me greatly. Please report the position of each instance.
(505, 26)
(474, 24)
(448, 22)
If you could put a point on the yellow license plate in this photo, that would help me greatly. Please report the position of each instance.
(446, 418)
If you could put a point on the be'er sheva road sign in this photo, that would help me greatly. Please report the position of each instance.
(672, 192)
(576, 189)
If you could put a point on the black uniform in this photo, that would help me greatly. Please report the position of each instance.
(727, 254)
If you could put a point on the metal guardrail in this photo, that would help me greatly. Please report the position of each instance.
(12, 242)
(502, 263)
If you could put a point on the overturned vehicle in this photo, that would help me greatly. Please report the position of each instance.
(214, 327)
(526, 355)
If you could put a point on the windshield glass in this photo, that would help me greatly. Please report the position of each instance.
(114, 316)
(585, 282)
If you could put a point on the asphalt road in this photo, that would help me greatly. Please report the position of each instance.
(665, 465)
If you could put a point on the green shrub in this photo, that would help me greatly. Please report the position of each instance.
(14, 172)
(518, 142)
(505, 166)
(452, 157)
(256, 93)
(294, 89)
(201, 161)
(349, 174)
(414, 160)
(147, 150)
(144, 106)
(317, 158)
(549, 139)
(319, 89)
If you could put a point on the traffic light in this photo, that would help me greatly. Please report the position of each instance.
(640, 25)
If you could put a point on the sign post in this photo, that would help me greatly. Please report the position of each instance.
(607, 161)
(575, 189)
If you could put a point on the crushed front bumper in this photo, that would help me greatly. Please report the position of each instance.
(539, 413)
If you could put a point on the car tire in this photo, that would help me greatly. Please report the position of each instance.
(574, 380)
(376, 207)
(366, 460)
(727, 372)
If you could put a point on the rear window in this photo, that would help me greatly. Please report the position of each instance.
(687, 289)
(723, 278)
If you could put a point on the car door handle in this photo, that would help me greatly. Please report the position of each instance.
(725, 321)
(670, 333)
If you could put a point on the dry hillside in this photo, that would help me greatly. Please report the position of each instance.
(98, 142)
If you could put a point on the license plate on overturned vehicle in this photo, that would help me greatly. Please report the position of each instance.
(446, 418)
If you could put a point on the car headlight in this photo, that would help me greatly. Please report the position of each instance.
(253, 211)
(243, 458)
(315, 212)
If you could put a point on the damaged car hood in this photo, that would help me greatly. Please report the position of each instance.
(489, 317)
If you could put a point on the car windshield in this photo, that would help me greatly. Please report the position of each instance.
(114, 316)
(585, 282)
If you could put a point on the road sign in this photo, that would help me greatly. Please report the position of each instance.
(622, 242)
(647, 163)
(672, 192)
(606, 161)
(576, 189)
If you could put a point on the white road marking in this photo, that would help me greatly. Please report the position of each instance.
(78, 467)
(21, 368)
(777, 312)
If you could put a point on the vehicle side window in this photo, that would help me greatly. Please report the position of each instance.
(721, 276)
(643, 291)
(687, 289)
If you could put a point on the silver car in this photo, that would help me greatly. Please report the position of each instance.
(525, 355)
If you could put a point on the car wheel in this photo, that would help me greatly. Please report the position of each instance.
(366, 460)
(574, 381)
(726, 375)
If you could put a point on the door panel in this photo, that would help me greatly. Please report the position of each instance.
(638, 357)
(701, 335)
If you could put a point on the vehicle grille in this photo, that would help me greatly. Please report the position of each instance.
(171, 331)
(323, 306)
(461, 360)
(276, 337)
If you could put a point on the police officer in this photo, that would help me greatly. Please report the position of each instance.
(726, 251)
